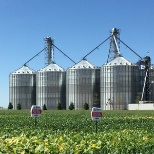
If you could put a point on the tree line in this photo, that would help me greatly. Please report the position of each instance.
(59, 106)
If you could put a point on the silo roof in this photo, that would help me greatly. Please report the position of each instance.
(52, 67)
(119, 61)
(83, 64)
(24, 70)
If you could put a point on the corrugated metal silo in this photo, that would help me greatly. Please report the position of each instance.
(51, 86)
(119, 84)
(83, 85)
(22, 87)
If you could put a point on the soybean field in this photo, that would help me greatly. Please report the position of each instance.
(73, 132)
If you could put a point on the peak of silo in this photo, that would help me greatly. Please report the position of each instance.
(24, 70)
(83, 64)
(120, 60)
(52, 67)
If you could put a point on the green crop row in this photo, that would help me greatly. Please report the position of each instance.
(119, 132)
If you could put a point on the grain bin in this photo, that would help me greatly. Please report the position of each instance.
(82, 85)
(119, 84)
(22, 87)
(50, 86)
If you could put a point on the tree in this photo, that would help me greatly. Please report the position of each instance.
(44, 107)
(86, 106)
(10, 106)
(71, 106)
(59, 107)
(18, 106)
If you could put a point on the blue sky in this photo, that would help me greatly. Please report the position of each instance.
(77, 27)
